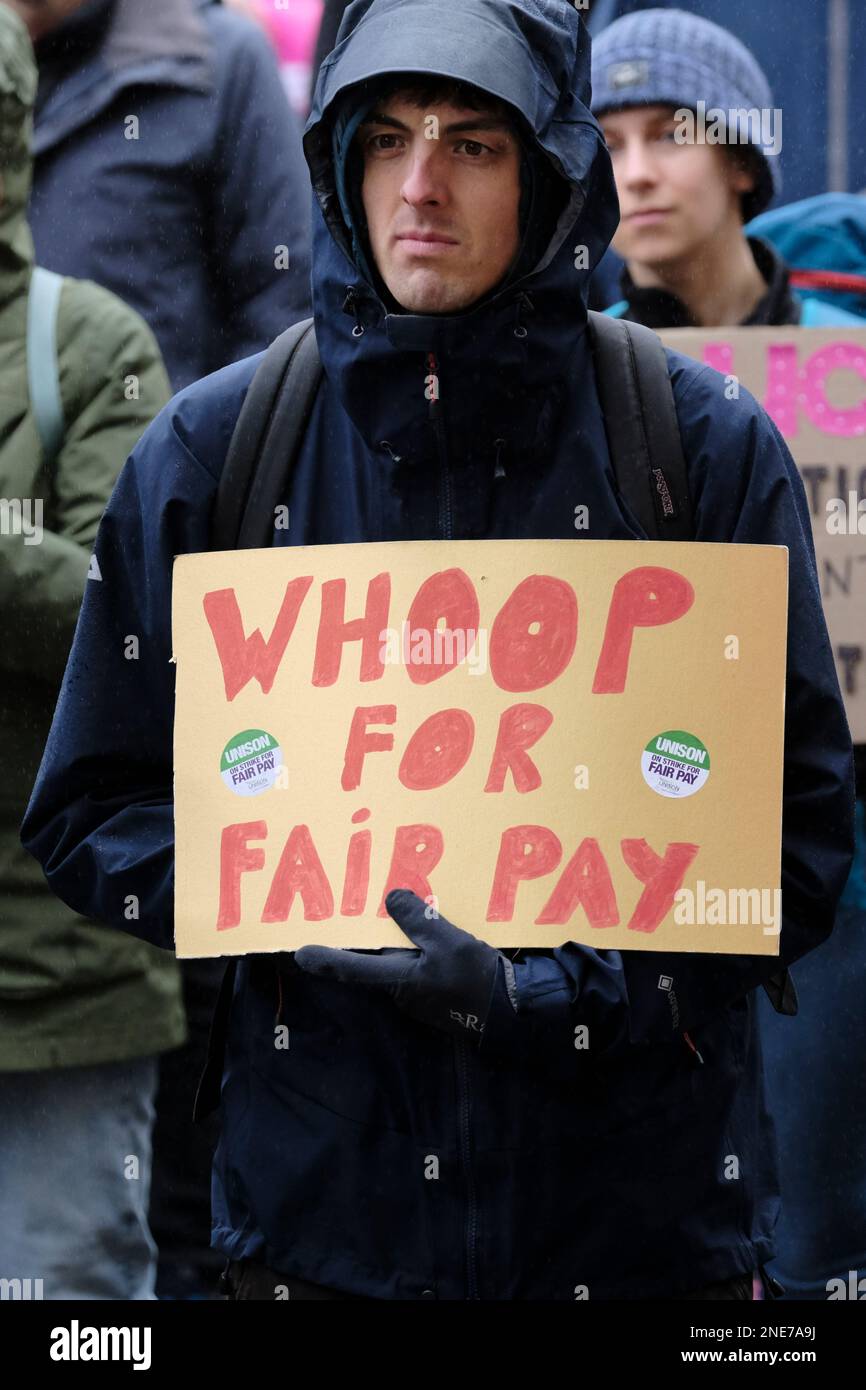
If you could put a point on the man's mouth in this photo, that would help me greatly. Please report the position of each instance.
(647, 215)
(420, 241)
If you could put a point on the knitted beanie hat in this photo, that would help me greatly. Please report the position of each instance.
(673, 58)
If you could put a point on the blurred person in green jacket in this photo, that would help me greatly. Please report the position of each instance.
(84, 1010)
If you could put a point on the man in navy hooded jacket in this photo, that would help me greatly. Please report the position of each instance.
(558, 1173)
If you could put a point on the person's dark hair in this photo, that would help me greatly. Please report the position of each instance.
(423, 92)
(750, 161)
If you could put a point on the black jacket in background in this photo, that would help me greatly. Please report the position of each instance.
(182, 214)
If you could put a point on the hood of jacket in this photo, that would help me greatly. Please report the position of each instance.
(502, 366)
(18, 79)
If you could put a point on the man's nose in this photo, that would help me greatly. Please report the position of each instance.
(425, 181)
(635, 167)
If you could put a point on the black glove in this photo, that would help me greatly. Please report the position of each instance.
(448, 983)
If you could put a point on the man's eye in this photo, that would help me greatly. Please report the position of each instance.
(474, 148)
(374, 139)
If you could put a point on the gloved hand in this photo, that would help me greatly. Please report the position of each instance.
(449, 983)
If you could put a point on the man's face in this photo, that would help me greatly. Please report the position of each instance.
(673, 198)
(41, 16)
(441, 193)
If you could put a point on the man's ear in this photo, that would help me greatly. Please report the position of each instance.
(742, 172)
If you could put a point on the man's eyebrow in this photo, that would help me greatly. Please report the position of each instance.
(379, 118)
(485, 123)
(490, 123)
(662, 118)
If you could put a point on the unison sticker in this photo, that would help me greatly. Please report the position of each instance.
(675, 763)
(250, 762)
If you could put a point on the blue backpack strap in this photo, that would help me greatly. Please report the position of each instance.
(43, 374)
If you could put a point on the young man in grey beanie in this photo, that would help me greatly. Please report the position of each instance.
(689, 263)
(695, 140)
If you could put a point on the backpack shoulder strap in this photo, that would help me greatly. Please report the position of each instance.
(646, 452)
(43, 373)
(256, 473)
(640, 421)
(266, 439)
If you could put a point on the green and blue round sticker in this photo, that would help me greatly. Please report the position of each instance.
(251, 762)
(675, 763)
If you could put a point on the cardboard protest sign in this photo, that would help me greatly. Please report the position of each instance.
(812, 381)
(547, 740)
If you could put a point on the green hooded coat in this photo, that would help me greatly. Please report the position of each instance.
(72, 992)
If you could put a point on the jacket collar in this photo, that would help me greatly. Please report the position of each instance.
(659, 309)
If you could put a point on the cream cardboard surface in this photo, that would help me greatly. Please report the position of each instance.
(812, 381)
(296, 811)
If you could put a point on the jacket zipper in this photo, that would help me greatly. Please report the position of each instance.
(695, 1050)
(445, 514)
(471, 1229)
(461, 1047)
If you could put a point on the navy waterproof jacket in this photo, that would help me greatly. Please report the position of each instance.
(559, 1172)
(167, 166)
